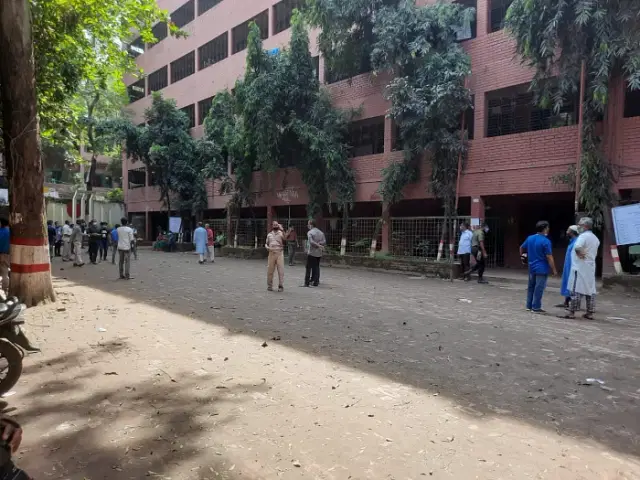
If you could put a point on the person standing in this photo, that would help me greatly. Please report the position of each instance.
(125, 244)
(76, 241)
(66, 241)
(582, 278)
(5, 259)
(479, 252)
(114, 243)
(200, 241)
(464, 250)
(134, 244)
(51, 234)
(275, 247)
(211, 240)
(94, 241)
(541, 263)
(572, 235)
(315, 246)
(104, 241)
(292, 242)
(58, 243)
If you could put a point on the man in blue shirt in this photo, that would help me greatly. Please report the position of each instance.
(538, 249)
(114, 243)
(464, 250)
(5, 260)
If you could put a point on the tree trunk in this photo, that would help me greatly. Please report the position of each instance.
(30, 263)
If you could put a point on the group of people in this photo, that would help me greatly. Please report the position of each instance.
(579, 272)
(204, 239)
(471, 245)
(121, 239)
(275, 244)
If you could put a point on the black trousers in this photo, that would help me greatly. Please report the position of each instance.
(57, 246)
(465, 264)
(312, 273)
(479, 266)
(104, 248)
(93, 252)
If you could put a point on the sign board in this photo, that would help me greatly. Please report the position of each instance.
(273, 51)
(475, 222)
(4, 196)
(174, 224)
(626, 223)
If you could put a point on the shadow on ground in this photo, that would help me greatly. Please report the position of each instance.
(489, 356)
(152, 429)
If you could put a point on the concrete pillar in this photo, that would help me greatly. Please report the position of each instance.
(483, 17)
(271, 216)
(477, 208)
(147, 225)
(322, 74)
(388, 134)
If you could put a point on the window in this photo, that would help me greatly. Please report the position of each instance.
(498, 13)
(190, 111)
(160, 31)
(157, 80)
(203, 109)
(365, 66)
(136, 91)
(204, 5)
(468, 29)
(240, 33)
(183, 67)
(632, 103)
(137, 178)
(185, 14)
(136, 47)
(213, 51)
(512, 110)
(282, 14)
(469, 120)
(316, 66)
(396, 143)
(367, 137)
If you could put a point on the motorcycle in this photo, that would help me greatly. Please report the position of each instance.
(13, 343)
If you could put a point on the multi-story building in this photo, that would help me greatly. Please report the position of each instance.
(517, 150)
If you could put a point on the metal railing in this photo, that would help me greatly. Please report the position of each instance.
(416, 238)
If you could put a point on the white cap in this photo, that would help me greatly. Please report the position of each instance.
(574, 228)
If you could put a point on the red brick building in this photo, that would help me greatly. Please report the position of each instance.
(516, 149)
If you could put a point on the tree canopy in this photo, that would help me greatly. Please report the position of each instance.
(555, 38)
(173, 158)
(418, 46)
(278, 117)
(80, 41)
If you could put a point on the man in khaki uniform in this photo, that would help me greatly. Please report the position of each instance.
(275, 246)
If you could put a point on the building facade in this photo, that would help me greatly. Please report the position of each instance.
(518, 152)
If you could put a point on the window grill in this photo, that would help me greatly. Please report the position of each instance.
(214, 51)
(160, 32)
(282, 14)
(136, 91)
(469, 122)
(512, 112)
(136, 47)
(240, 33)
(137, 177)
(468, 30)
(367, 137)
(203, 109)
(498, 13)
(185, 14)
(158, 80)
(205, 5)
(183, 67)
(316, 66)
(335, 76)
(190, 111)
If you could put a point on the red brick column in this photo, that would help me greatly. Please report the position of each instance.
(477, 208)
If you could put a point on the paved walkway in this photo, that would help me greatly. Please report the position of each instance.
(197, 372)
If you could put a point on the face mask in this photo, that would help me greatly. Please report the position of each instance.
(486, 229)
(580, 229)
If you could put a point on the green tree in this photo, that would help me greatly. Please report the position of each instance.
(418, 46)
(76, 42)
(174, 160)
(279, 117)
(555, 38)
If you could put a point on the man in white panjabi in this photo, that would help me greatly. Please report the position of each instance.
(582, 279)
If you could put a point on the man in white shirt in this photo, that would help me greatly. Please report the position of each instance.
(125, 242)
(66, 241)
(582, 279)
(464, 250)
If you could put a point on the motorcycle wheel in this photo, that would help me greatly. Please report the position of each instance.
(10, 366)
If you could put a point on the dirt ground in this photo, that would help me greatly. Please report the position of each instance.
(197, 372)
